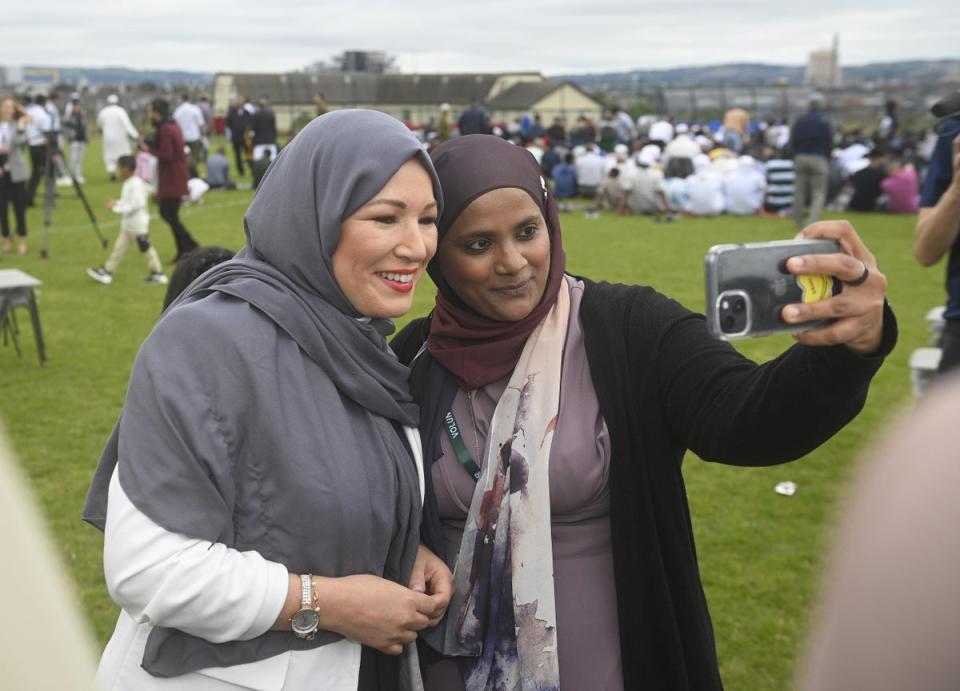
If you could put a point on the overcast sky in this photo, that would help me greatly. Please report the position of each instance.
(562, 36)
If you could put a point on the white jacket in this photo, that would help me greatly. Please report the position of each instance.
(132, 207)
(212, 591)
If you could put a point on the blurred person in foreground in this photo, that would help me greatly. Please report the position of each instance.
(938, 223)
(555, 414)
(13, 172)
(889, 614)
(37, 593)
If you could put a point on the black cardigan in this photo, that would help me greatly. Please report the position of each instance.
(664, 385)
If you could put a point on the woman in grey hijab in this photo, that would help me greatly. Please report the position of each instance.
(261, 492)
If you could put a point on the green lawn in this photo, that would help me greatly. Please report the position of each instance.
(760, 553)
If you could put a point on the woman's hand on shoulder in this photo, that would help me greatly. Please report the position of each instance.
(857, 310)
(373, 611)
(432, 576)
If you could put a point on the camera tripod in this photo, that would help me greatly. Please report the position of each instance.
(50, 194)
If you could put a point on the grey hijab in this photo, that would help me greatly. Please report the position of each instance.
(262, 411)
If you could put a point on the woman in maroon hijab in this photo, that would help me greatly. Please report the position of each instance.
(555, 413)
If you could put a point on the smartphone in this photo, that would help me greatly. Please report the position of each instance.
(748, 285)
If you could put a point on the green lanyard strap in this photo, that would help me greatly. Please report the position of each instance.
(459, 448)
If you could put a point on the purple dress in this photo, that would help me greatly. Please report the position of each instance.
(587, 624)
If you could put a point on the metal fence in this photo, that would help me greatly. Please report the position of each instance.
(853, 104)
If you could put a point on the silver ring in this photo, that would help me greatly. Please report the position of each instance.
(862, 279)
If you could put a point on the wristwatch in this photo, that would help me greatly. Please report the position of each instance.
(307, 619)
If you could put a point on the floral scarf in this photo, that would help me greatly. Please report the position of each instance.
(503, 614)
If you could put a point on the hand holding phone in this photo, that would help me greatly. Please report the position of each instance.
(858, 310)
(810, 287)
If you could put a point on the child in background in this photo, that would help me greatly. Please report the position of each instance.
(134, 223)
(146, 166)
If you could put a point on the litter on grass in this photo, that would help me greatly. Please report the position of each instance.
(787, 489)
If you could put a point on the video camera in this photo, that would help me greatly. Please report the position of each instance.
(946, 107)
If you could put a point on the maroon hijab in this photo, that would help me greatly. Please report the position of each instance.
(478, 350)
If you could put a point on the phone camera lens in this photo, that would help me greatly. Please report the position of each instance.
(728, 323)
(739, 305)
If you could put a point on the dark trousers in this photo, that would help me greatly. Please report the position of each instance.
(170, 212)
(239, 155)
(38, 160)
(950, 345)
(13, 194)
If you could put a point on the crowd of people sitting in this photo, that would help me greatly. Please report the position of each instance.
(738, 165)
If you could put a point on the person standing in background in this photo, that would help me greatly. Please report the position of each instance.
(624, 125)
(117, 130)
(193, 125)
(203, 103)
(811, 139)
(938, 223)
(58, 170)
(238, 122)
(167, 146)
(264, 127)
(474, 119)
(557, 132)
(75, 127)
(38, 132)
(13, 171)
(889, 123)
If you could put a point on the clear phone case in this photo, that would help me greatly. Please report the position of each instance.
(748, 285)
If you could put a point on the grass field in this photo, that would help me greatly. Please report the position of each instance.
(760, 553)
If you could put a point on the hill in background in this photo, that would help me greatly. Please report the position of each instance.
(756, 74)
(123, 75)
(733, 74)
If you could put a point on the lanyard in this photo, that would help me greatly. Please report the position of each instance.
(459, 448)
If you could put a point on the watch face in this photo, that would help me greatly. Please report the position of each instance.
(305, 621)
